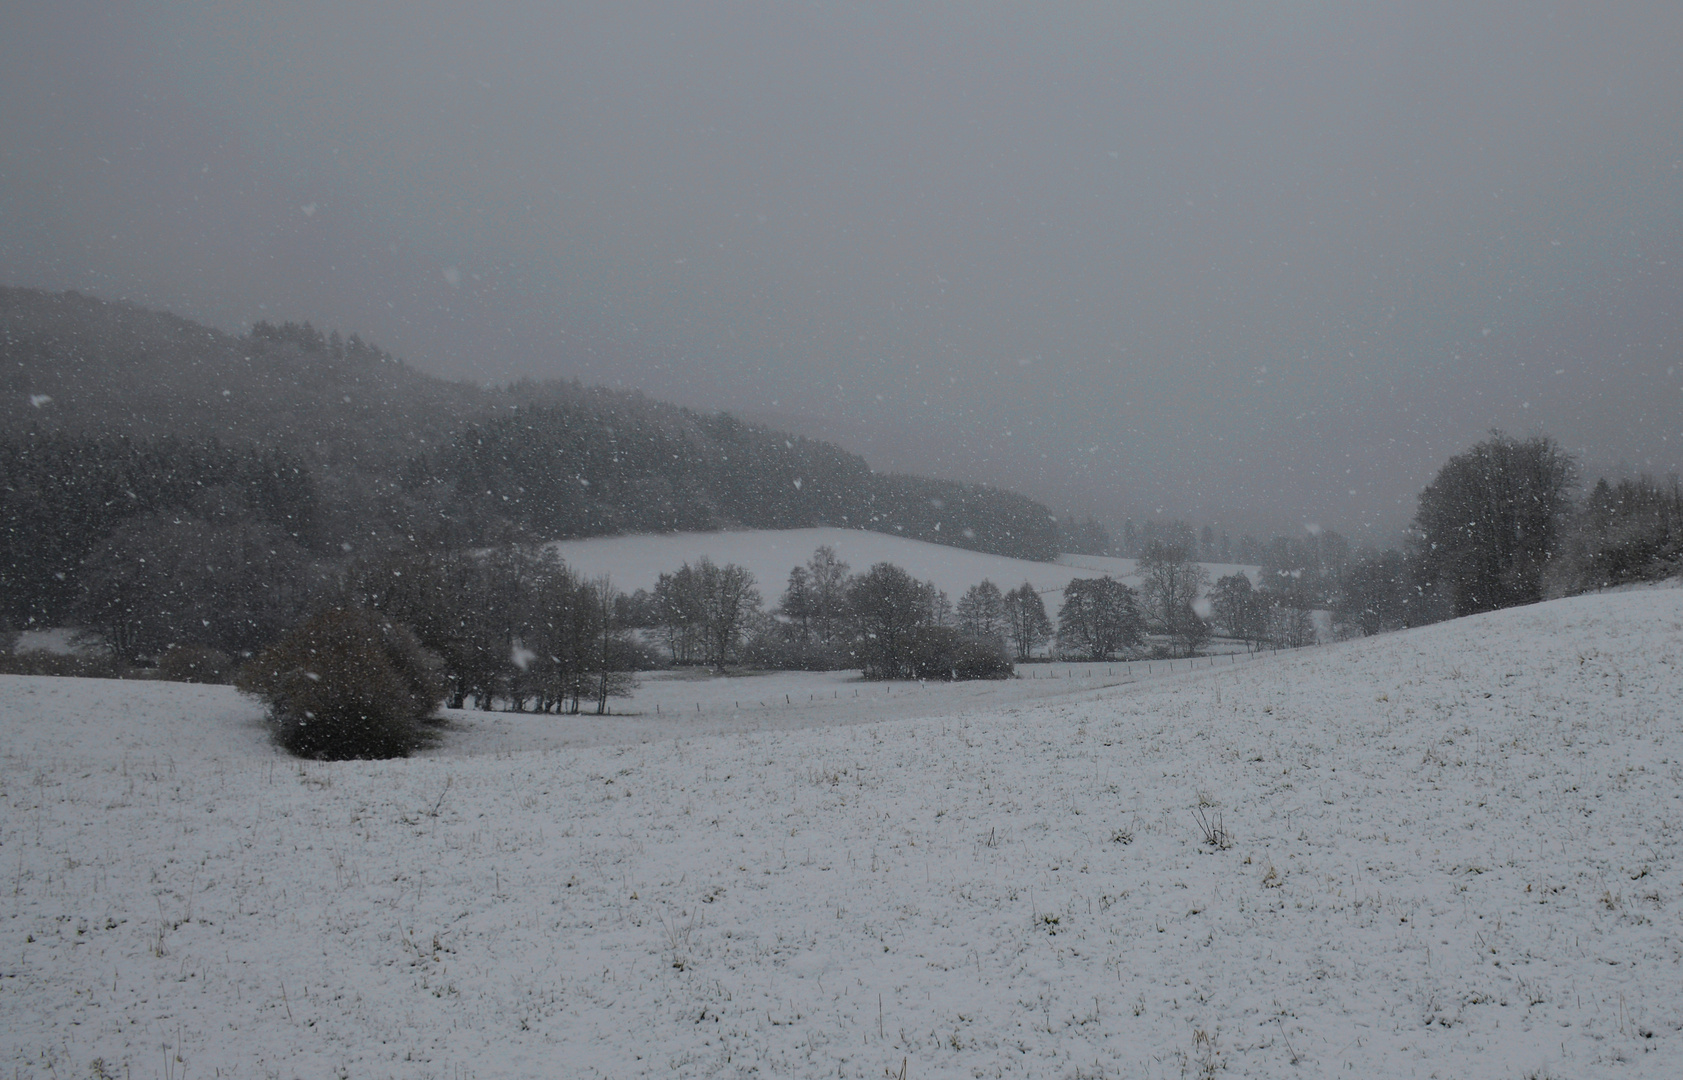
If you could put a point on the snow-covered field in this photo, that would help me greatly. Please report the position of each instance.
(683, 703)
(633, 562)
(1453, 852)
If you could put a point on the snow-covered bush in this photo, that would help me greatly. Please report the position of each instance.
(347, 684)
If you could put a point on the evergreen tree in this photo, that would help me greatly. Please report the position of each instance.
(796, 606)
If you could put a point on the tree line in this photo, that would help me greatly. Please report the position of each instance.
(882, 621)
(201, 553)
(1498, 526)
(889, 625)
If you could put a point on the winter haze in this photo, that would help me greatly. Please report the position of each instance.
(1259, 265)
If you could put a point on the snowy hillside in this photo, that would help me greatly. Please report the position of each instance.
(1450, 852)
(635, 561)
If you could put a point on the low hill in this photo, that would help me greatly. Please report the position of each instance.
(1453, 847)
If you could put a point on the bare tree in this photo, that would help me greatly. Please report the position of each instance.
(1239, 609)
(981, 611)
(1173, 583)
(889, 606)
(1099, 618)
(711, 608)
(1490, 520)
(611, 655)
(1375, 593)
(940, 608)
(1289, 624)
(679, 614)
(827, 578)
(1025, 620)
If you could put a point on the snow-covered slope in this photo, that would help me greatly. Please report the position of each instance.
(1453, 852)
(633, 562)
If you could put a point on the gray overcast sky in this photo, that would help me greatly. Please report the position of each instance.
(1252, 264)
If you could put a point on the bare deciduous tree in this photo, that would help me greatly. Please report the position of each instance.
(981, 611)
(1099, 618)
(1490, 520)
(1173, 583)
(1025, 620)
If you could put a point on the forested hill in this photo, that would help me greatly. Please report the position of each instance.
(394, 455)
(76, 364)
(604, 464)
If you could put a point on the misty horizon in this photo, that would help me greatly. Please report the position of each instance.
(1257, 266)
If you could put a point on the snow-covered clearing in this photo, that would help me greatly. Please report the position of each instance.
(60, 641)
(1453, 852)
(633, 562)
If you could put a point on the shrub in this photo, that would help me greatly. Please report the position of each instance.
(195, 663)
(347, 684)
(778, 646)
(941, 652)
(980, 658)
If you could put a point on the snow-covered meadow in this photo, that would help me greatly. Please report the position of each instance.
(1449, 852)
(633, 562)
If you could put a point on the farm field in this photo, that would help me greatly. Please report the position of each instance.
(1452, 851)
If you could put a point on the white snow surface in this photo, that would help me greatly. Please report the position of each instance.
(1454, 852)
(634, 562)
(61, 641)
